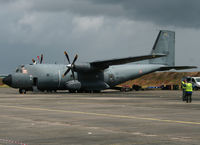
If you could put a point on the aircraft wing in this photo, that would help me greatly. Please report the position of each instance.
(106, 63)
(176, 67)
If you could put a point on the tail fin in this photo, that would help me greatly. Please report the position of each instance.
(164, 44)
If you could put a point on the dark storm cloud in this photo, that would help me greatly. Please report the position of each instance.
(80, 7)
(180, 13)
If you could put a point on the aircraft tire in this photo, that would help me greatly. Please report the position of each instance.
(80, 91)
(22, 91)
(49, 91)
(96, 91)
(88, 91)
(72, 91)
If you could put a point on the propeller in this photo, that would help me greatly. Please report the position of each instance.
(70, 66)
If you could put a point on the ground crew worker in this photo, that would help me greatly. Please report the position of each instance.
(183, 88)
(188, 90)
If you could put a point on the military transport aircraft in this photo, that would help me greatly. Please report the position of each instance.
(97, 75)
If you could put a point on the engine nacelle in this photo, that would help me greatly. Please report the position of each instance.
(73, 85)
(83, 67)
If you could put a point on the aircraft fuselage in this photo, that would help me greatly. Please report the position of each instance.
(49, 77)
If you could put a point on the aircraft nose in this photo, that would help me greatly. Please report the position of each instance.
(7, 80)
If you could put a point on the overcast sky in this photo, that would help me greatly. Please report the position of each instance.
(94, 29)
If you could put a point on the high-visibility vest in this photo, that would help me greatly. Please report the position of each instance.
(188, 87)
(183, 84)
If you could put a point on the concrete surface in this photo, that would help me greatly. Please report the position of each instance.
(110, 118)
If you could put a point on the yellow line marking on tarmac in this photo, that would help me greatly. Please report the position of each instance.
(103, 115)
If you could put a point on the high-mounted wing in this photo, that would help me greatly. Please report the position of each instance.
(176, 68)
(106, 63)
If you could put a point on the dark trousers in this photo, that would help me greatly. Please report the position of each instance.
(184, 95)
(188, 97)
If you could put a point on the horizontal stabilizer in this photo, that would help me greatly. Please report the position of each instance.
(177, 68)
(106, 63)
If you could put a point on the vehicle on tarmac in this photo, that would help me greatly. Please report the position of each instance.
(97, 75)
(196, 83)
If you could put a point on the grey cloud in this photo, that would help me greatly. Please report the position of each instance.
(78, 7)
(180, 13)
(6, 1)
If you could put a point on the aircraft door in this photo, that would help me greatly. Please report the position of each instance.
(35, 84)
(35, 81)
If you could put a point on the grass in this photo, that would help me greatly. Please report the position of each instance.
(161, 78)
(4, 86)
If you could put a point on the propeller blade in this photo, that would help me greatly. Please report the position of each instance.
(41, 58)
(67, 56)
(75, 58)
(66, 72)
(73, 74)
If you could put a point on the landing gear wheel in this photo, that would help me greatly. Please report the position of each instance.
(22, 91)
(80, 91)
(96, 91)
(72, 91)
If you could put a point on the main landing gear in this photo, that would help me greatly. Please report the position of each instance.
(22, 91)
(84, 91)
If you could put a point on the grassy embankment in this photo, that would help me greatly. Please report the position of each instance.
(161, 78)
(1, 84)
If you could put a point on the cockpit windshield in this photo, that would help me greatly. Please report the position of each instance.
(17, 70)
(21, 69)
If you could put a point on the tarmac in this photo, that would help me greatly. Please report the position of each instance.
(108, 118)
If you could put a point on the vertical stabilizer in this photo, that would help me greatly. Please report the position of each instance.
(164, 44)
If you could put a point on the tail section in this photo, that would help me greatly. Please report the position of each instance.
(164, 44)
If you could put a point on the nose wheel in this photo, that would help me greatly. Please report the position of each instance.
(22, 91)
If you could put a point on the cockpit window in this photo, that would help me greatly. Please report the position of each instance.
(18, 70)
(21, 69)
